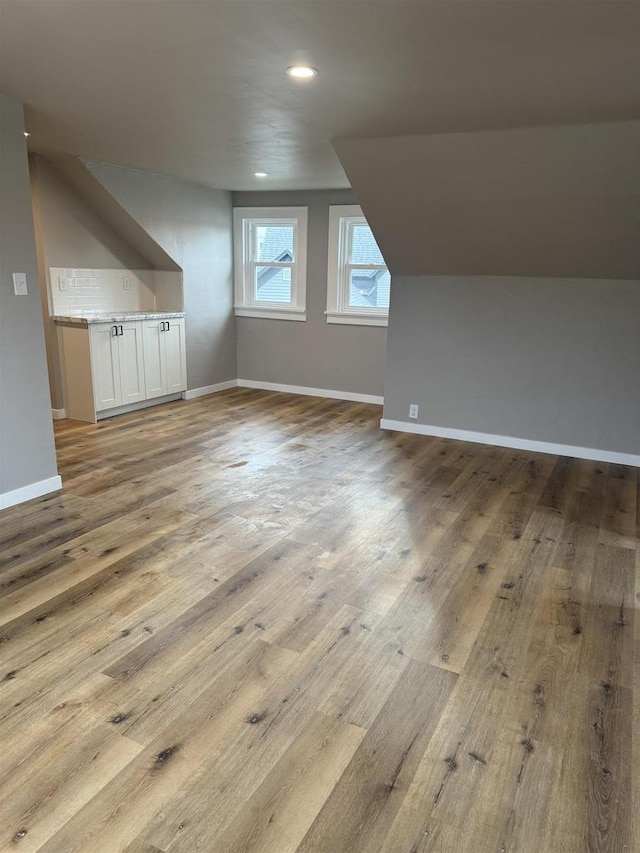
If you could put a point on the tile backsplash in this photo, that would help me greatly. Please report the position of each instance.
(82, 291)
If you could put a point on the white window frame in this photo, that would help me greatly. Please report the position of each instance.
(245, 219)
(342, 217)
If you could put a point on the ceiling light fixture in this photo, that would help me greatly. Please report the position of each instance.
(302, 72)
(261, 174)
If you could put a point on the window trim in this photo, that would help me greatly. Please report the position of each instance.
(245, 305)
(341, 217)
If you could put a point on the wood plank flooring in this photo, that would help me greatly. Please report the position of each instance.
(255, 622)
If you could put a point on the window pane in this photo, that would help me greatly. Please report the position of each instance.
(272, 284)
(273, 243)
(364, 249)
(369, 288)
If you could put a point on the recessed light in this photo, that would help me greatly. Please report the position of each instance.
(261, 174)
(302, 72)
(26, 133)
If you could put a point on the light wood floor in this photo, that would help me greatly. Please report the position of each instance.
(256, 622)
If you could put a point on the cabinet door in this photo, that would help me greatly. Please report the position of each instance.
(132, 376)
(153, 346)
(105, 366)
(176, 358)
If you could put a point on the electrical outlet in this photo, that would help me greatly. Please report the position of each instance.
(413, 410)
(126, 283)
(20, 283)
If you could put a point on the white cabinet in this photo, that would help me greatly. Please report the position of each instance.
(131, 356)
(176, 353)
(108, 366)
(117, 364)
(153, 345)
(105, 366)
(164, 357)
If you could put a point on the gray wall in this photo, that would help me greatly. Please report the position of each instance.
(27, 453)
(69, 233)
(559, 202)
(542, 359)
(73, 234)
(314, 353)
(192, 224)
(133, 235)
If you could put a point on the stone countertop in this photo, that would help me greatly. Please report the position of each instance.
(116, 317)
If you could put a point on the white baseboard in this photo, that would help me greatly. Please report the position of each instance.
(209, 389)
(27, 493)
(351, 397)
(104, 414)
(58, 414)
(594, 454)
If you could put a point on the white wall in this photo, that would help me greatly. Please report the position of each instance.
(91, 291)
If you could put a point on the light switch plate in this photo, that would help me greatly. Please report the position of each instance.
(20, 283)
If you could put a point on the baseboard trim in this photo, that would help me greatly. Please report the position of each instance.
(58, 414)
(209, 389)
(591, 453)
(28, 493)
(103, 414)
(349, 396)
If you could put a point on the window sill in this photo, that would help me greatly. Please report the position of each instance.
(357, 319)
(272, 313)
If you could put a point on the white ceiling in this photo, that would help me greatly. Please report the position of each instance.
(197, 89)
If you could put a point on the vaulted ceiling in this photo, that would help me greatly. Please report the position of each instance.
(198, 90)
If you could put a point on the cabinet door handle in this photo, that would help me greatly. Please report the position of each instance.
(162, 326)
(168, 326)
(121, 331)
(114, 331)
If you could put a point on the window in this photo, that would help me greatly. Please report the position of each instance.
(359, 281)
(270, 245)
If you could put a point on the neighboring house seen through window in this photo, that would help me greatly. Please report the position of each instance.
(359, 281)
(270, 262)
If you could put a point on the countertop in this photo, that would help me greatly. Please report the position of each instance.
(115, 317)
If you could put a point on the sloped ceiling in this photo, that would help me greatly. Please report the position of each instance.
(80, 177)
(197, 90)
(552, 202)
